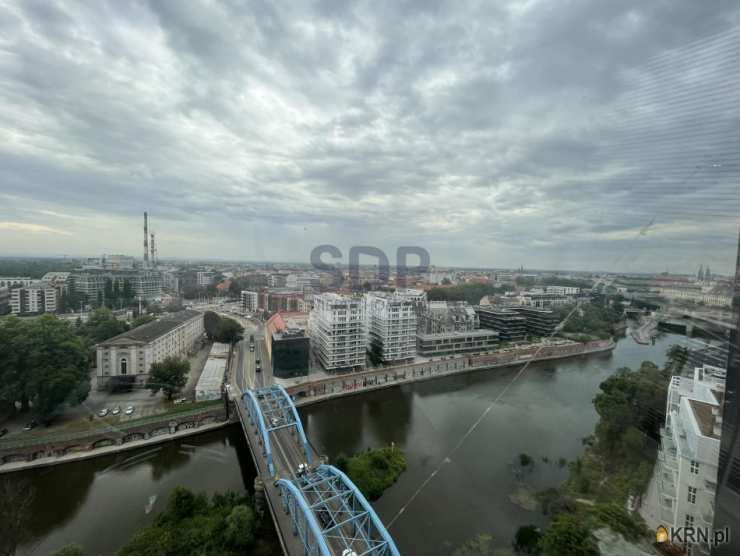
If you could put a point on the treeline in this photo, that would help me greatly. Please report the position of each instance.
(589, 319)
(222, 329)
(34, 268)
(45, 361)
(618, 462)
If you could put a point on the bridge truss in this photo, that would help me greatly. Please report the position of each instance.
(331, 516)
(271, 409)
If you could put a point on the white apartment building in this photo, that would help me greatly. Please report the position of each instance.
(686, 471)
(302, 281)
(33, 299)
(337, 330)
(698, 295)
(204, 278)
(133, 353)
(563, 290)
(391, 324)
(16, 281)
(249, 301)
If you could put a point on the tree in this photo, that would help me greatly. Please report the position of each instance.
(102, 325)
(70, 550)
(211, 322)
(143, 319)
(240, 528)
(482, 545)
(169, 375)
(229, 331)
(527, 540)
(566, 534)
(16, 499)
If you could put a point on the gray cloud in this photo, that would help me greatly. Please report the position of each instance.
(494, 135)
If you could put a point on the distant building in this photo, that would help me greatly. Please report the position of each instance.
(337, 331)
(249, 301)
(541, 298)
(16, 281)
(448, 316)
(391, 322)
(33, 300)
(510, 325)
(4, 301)
(563, 290)
(280, 301)
(456, 342)
(204, 278)
(60, 281)
(288, 348)
(303, 281)
(686, 472)
(539, 322)
(277, 280)
(143, 284)
(132, 353)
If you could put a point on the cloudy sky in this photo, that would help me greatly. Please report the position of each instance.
(592, 135)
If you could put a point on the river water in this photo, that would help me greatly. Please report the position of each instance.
(462, 436)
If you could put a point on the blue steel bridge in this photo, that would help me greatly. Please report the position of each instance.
(317, 509)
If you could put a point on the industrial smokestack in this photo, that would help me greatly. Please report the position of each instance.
(153, 250)
(146, 239)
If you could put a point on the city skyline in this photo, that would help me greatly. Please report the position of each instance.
(524, 138)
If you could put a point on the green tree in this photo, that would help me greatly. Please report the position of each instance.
(229, 331)
(169, 375)
(143, 319)
(70, 550)
(102, 325)
(567, 534)
(481, 545)
(527, 540)
(240, 528)
(16, 499)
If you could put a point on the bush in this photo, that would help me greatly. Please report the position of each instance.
(375, 470)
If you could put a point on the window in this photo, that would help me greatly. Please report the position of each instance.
(694, 467)
(689, 520)
(124, 366)
(692, 495)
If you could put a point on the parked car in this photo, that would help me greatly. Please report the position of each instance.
(103, 412)
(30, 426)
(116, 410)
(129, 410)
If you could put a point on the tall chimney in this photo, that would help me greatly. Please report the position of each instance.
(153, 250)
(146, 239)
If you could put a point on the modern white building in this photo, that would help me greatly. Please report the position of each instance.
(563, 290)
(302, 281)
(16, 281)
(249, 301)
(33, 299)
(391, 325)
(337, 330)
(133, 353)
(686, 471)
(204, 278)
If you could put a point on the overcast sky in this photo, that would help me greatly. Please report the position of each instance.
(572, 135)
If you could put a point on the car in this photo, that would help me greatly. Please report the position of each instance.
(348, 552)
(116, 410)
(103, 412)
(274, 422)
(30, 426)
(129, 410)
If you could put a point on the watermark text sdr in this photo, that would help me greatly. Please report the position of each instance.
(403, 270)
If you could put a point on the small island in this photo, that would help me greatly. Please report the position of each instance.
(373, 471)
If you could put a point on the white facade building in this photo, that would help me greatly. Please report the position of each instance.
(391, 324)
(33, 299)
(686, 472)
(16, 281)
(337, 330)
(133, 353)
(249, 301)
(204, 278)
(563, 290)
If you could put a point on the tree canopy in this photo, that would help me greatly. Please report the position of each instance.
(373, 471)
(101, 325)
(193, 524)
(42, 363)
(169, 375)
(222, 329)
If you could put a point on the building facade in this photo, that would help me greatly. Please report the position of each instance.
(4, 301)
(249, 301)
(510, 325)
(337, 330)
(456, 342)
(448, 316)
(539, 322)
(686, 472)
(33, 300)
(16, 281)
(132, 353)
(391, 324)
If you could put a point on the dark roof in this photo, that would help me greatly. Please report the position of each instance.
(153, 330)
(704, 417)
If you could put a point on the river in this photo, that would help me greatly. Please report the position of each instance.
(100, 503)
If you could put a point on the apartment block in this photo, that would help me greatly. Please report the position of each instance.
(16, 281)
(34, 299)
(337, 330)
(686, 472)
(448, 316)
(391, 320)
(539, 322)
(510, 325)
(456, 342)
(249, 301)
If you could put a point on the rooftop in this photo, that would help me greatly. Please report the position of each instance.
(153, 330)
(704, 417)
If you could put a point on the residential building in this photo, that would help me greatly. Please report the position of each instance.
(337, 330)
(697, 294)
(303, 281)
(288, 348)
(4, 301)
(448, 316)
(143, 284)
(686, 472)
(563, 290)
(510, 325)
(16, 281)
(280, 301)
(61, 281)
(277, 280)
(204, 278)
(249, 301)
(132, 353)
(33, 300)
(391, 322)
(541, 298)
(456, 342)
(539, 322)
